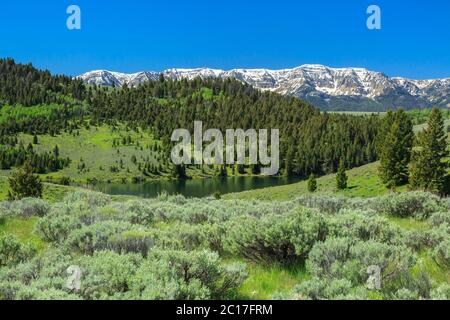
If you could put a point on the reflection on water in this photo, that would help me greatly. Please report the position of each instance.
(194, 188)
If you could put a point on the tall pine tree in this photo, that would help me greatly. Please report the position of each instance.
(429, 163)
(341, 177)
(395, 148)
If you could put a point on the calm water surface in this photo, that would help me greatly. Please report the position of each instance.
(195, 187)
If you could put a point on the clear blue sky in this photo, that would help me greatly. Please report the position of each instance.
(135, 35)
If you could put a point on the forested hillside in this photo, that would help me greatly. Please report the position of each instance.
(27, 86)
(37, 103)
(310, 141)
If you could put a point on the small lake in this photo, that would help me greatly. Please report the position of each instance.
(194, 188)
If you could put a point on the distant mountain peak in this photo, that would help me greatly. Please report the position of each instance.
(329, 88)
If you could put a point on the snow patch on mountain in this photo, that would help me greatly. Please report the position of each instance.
(319, 83)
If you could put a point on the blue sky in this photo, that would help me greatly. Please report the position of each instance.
(135, 35)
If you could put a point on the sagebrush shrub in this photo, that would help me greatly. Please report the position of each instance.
(417, 204)
(319, 289)
(171, 247)
(439, 218)
(137, 211)
(344, 258)
(25, 208)
(98, 236)
(442, 292)
(324, 203)
(441, 253)
(13, 252)
(273, 237)
(181, 236)
(51, 294)
(362, 225)
(56, 226)
(110, 274)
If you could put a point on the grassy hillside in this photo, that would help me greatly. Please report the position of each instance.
(93, 155)
(105, 154)
(362, 182)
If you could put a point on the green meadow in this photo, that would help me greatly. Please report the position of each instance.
(362, 182)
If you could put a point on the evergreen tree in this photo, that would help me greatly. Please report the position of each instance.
(23, 184)
(385, 127)
(288, 167)
(179, 171)
(312, 183)
(56, 151)
(395, 150)
(429, 165)
(223, 171)
(341, 177)
(30, 148)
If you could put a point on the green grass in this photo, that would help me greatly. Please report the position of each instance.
(409, 223)
(426, 263)
(23, 229)
(3, 188)
(265, 280)
(362, 182)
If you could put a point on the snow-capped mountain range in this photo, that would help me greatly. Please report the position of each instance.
(351, 89)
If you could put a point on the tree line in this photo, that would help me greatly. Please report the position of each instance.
(16, 156)
(25, 85)
(422, 160)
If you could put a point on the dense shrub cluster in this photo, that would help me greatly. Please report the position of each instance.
(12, 252)
(24, 208)
(173, 248)
(413, 204)
(283, 238)
(418, 204)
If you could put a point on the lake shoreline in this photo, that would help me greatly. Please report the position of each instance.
(197, 188)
